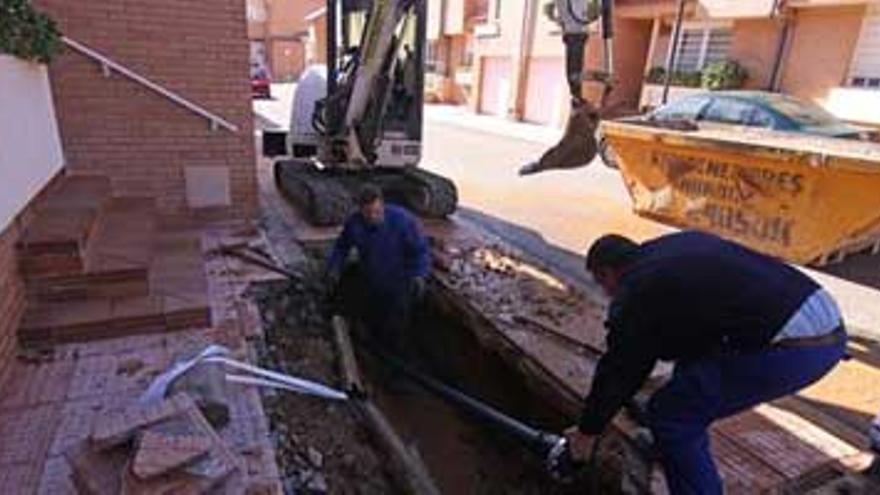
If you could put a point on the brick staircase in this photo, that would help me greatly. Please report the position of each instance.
(97, 266)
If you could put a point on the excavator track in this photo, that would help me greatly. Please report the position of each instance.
(325, 200)
(327, 197)
(427, 194)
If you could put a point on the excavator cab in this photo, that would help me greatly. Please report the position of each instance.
(358, 118)
(375, 74)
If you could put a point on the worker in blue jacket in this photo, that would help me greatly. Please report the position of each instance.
(741, 327)
(393, 263)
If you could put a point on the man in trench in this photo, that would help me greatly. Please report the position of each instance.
(393, 263)
(741, 327)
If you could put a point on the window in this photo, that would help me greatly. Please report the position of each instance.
(865, 66)
(433, 58)
(699, 46)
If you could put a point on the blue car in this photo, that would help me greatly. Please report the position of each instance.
(748, 108)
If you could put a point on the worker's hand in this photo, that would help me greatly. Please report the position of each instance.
(418, 289)
(580, 444)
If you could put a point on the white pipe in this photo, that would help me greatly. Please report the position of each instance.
(216, 120)
(292, 381)
(263, 382)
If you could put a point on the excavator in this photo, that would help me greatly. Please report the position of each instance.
(359, 117)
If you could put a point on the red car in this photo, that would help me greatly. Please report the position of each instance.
(260, 84)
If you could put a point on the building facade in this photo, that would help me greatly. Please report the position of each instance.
(825, 51)
(278, 31)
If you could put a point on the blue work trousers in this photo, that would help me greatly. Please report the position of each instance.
(712, 388)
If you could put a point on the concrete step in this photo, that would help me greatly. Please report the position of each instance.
(56, 240)
(177, 299)
(117, 261)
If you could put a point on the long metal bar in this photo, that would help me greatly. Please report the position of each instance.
(332, 62)
(272, 267)
(670, 61)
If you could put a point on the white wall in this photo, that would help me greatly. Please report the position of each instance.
(30, 147)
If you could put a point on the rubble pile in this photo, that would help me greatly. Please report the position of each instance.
(502, 285)
(164, 447)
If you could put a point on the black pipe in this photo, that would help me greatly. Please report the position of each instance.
(539, 441)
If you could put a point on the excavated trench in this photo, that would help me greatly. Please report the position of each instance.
(321, 447)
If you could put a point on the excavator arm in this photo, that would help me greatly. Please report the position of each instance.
(578, 146)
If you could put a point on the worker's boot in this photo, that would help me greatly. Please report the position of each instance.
(578, 146)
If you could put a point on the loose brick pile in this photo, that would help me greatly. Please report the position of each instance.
(166, 447)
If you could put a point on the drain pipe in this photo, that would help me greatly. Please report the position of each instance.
(551, 448)
(538, 440)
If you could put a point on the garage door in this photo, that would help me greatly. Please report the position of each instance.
(545, 91)
(495, 92)
(865, 67)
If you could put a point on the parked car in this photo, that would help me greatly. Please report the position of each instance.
(260, 84)
(747, 108)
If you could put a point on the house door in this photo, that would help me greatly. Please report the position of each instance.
(495, 87)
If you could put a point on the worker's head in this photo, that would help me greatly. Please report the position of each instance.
(608, 258)
(371, 204)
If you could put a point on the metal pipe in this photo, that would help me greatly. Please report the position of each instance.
(785, 34)
(538, 440)
(670, 61)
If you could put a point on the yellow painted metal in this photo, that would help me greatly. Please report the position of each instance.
(796, 198)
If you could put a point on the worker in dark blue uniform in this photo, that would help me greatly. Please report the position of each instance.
(741, 327)
(393, 263)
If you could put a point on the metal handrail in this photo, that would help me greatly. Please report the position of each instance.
(108, 65)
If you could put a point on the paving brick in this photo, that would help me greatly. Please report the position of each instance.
(26, 433)
(159, 453)
(198, 477)
(116, 428)
(56, 478)
(793, 446)
(96, 473)
(742, 471)
(77, 419)
(17, 478)
(98, 375)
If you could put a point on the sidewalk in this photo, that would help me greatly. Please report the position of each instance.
(463, 117)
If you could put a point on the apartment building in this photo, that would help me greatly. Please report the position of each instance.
(278, 31)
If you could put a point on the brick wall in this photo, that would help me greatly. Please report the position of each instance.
(12, 297)
(141, 140)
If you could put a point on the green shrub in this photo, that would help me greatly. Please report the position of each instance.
(27, 33)
(656, 75)
(687, 79)
(724, 74)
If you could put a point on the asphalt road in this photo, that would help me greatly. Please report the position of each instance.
(568, 208)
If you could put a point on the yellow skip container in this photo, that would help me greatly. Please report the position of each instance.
(802, 198)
